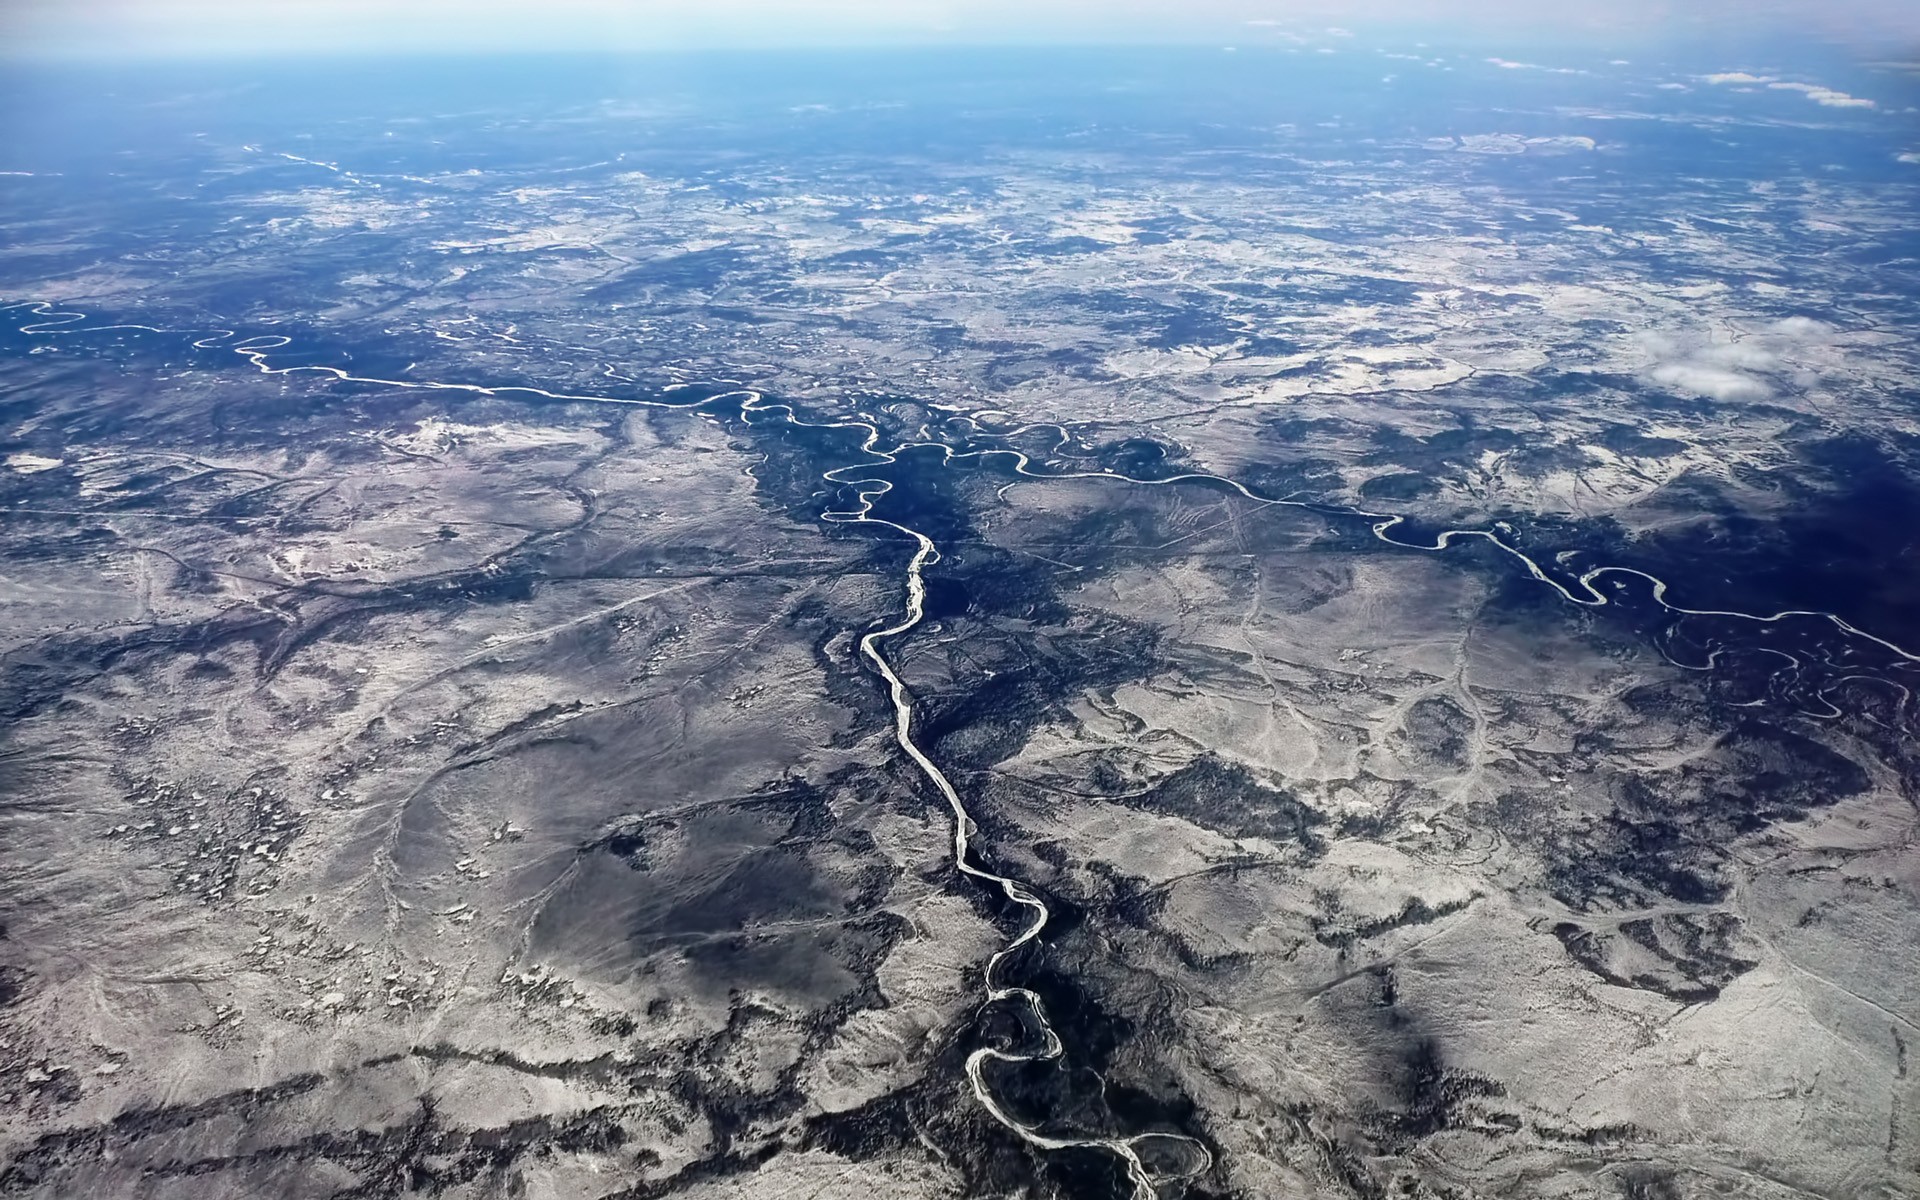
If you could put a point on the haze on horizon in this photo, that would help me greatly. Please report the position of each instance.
(112, 29)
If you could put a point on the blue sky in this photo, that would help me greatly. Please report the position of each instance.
(229, 27)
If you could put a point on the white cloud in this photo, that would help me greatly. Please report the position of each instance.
(1910, 157)
(1712, 382)
(1739, 355)
(1790, 354)
(1507, 64)
(1802, 329)
(1818, 93)
(1823, 95)
(1509, 143)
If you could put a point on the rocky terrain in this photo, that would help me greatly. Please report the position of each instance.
(1405, 596)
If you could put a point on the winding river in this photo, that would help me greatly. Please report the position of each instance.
(866, 490)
